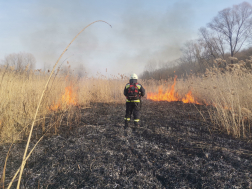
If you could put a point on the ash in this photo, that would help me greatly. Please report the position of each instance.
(174, 148)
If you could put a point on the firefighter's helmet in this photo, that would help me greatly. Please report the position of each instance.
(133, 76)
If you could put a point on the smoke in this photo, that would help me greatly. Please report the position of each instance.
(55, 29)
(139, 34)
(153, 36)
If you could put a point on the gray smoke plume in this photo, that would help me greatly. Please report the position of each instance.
(137, 37)
(155, 37)
(56, 28)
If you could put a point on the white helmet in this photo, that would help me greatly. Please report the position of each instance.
(133, 76)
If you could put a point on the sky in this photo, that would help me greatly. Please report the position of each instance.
(143, 32)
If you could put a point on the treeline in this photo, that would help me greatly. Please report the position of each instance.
(26, 63)
(227, 39)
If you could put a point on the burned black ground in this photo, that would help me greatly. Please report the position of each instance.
(175, 147)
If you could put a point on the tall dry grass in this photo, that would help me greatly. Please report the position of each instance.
(39, 105)
(20, 91)
(102, 89)
(228, 94)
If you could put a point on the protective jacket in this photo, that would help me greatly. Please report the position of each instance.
(133, 106)
(140, 89)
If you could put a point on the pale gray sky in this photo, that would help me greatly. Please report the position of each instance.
(142, 30)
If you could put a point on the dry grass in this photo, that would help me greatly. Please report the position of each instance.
(229, 91)
(226, 92)
(101, 90)
(40, 103)
(20, 93)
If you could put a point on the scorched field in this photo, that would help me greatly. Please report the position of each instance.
(175, 147)
(194, 133)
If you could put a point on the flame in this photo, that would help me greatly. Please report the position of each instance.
(67, 99)
(171, 95)
(189, 98)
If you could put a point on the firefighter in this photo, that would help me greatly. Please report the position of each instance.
(133, 92)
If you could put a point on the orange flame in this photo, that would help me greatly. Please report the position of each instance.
(170, 95)
(67, 99)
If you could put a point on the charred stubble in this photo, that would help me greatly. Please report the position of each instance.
(173, 148)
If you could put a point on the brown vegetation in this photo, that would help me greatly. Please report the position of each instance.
(229, 92)
(20, 92)
(47, 99)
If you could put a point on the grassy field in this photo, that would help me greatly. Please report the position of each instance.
(227, 94)
(20, 92)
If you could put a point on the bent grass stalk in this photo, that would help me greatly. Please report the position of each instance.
(25, 158)
(6, 159)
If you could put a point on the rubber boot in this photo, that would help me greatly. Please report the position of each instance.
(126, 124)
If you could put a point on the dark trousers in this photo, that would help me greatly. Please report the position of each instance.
(133, 107)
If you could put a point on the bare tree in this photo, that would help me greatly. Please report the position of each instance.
(213, 42)
(227, 33)
(194, 54)
(20, 61)
(234, 25)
